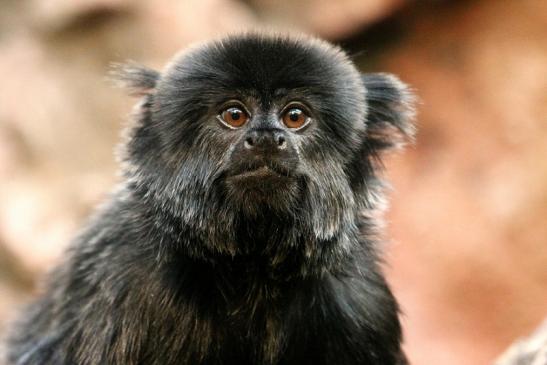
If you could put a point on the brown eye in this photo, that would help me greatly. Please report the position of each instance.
(234, 117)
(295, 118)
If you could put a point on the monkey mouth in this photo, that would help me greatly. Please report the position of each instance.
(264, 180)
(261, 171)
(252, 185)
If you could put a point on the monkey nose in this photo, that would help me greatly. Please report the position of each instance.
(265, 140)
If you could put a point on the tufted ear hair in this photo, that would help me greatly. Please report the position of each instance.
(390, 114)
(138, 80)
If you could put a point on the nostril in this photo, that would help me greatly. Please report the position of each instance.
(249, 143)
(281, 143)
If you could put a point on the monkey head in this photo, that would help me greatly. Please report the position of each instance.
(263, 129)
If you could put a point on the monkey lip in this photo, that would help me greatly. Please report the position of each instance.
(261, 172)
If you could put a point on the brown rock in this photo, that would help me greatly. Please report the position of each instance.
(529, 351)
(470, 203)
(330, 19)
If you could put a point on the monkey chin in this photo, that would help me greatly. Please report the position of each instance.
(263, 190)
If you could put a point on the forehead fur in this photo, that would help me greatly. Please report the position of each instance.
(266, 64)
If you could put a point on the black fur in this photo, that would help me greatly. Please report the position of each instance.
(189, 264)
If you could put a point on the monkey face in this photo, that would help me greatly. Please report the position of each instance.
(270, 114)
(258, 124)
(262, 162)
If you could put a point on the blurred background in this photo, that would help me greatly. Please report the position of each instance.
(468, 259)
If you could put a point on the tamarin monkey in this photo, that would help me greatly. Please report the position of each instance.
(245, 228)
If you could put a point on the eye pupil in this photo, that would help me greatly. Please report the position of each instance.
(235, 114)
(294, 115)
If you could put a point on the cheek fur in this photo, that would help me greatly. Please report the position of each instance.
(329, 198)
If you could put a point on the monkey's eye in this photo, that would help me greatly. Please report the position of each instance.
(234, 117)
(295, 118)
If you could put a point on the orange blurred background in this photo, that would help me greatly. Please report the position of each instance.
(468, 219)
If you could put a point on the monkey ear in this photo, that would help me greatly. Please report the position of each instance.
(390, 114)
(138, 80)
